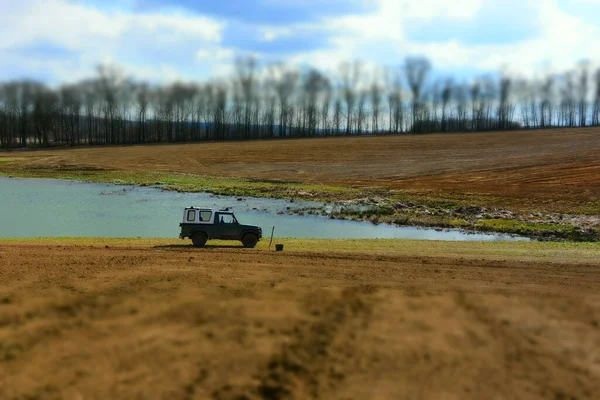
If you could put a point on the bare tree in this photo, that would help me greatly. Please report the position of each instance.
(325, 105)
(569, 99)
(280, 101)
(361, 116)
(4, 119)
(70, 114)
(416, 72)
(285, 85)
(315, 84)
(583, 92)
(246, 70)
(596, 113)
(461, 93)
(350, 76)
(376, 99)
(546, 104)
(394, 97)
(476, 109)
(45, 104)
(504, 106)
(446, 97)
(110, 79)
(337, 115)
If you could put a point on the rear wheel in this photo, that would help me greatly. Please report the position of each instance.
(249, 240)
(199, 239)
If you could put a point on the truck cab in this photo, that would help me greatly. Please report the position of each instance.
(203, 224)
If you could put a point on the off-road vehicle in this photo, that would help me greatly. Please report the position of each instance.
(202, 224)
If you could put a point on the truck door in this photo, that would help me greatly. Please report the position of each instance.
(227, 227)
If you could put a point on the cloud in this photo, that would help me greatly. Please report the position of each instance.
(493, 23)
(476, 37)
(60, 40)
(90, 35)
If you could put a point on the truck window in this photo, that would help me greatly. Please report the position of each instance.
(191, 216)
(227, 219)
(205, 216)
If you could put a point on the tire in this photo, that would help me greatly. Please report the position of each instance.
(249, 240)
(199, 239)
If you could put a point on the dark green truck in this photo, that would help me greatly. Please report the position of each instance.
(202, 224)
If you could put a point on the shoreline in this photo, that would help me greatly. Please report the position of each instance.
(357, 204)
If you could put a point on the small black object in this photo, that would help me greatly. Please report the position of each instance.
(278, 247)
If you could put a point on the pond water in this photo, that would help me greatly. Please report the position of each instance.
(54, 208)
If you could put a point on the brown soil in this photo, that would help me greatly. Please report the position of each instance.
(145, 321)
(539, 167)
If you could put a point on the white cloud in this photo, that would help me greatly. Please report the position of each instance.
(171, 46)
(219, 54)
(94, 35)
(76, 26)
(561, 42)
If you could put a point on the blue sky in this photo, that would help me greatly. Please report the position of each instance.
(270, 12)
(64, 40)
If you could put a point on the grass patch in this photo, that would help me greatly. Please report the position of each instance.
(452, 201)
(530, 229)
(7, 160)
(222, 186)
(550, 251)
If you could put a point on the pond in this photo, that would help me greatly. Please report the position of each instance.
(57, 208)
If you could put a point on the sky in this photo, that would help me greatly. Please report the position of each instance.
(61, 41)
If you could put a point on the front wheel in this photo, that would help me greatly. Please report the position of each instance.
(249, 240)
(199, 239)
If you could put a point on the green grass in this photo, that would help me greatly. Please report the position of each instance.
(452, 201)
(528, 228)
(191, 183)
(7, 160)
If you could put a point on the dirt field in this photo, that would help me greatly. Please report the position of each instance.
(100, 319)
(536, 167)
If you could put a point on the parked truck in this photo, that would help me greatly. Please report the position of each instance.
(203, 224)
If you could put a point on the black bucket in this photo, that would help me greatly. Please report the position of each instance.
(278, 247)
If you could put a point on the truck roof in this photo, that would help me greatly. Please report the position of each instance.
(225, 210)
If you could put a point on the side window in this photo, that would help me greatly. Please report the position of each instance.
(205, 216)
(191, 216)
(226, 219)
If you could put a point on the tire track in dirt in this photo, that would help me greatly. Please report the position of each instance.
(318, 355)
(528, 362)
(141, 322)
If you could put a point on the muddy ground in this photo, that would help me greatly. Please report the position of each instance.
(159, 319)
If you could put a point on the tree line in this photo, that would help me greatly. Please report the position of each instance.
(278, 100)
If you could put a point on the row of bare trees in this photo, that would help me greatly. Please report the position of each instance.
(281, 101)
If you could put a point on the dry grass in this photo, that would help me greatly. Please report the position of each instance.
(124, 318)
